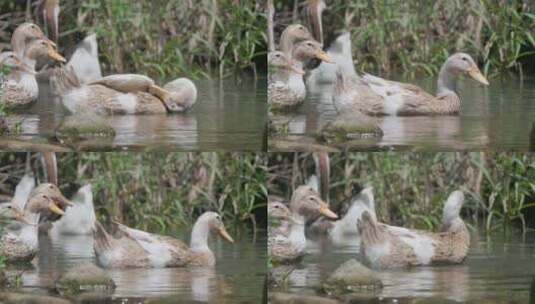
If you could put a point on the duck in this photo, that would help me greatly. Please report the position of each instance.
(291, 248)
(385, 247)
(280, 90)
(137, 248)
(24, 34)
(280, 216)
(339, 50)
(20, 88)
(290, 91)
(123, 94)
(376, 96)
(80, 218)
(19, 241)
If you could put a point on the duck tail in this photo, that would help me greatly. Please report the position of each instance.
(452, 208)
(368, 229)
(65, 80)
(103, 241)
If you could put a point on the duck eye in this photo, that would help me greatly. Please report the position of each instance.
(465, 59)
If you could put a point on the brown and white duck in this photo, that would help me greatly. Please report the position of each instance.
(137, 248)
(290, 248)
(124, 94)
(384, 246)
(20, 87)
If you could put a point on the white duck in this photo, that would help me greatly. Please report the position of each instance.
(80, 218)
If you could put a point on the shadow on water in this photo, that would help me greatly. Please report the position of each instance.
(237, 277)
(229, 115)
(498, 117)
(498, 269)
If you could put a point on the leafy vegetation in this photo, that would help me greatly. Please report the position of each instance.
(410, 188)
(417, 36)
(161, 191)
(163, 38)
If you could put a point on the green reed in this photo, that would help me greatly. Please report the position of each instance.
(162, 191)
(411, 188)
(165, 38)
(417, 36)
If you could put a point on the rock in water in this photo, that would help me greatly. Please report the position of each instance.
(290, 298)
(351, 276)
(350, 125)
(20, 298)
(84, 278)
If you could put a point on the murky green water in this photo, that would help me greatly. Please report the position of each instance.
(499, 117)
(498, 269)
(238, 276)
(229, 115)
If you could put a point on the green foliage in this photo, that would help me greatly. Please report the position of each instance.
(417, 36)
(410, 188)
(170, 38)
(161, 192)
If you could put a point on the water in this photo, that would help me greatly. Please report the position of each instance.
(497, 268)
(238, 276)
(500, 117)
(229, 115)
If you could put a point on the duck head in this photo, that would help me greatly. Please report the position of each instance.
(13, 62)
(41, 48)
(291, 35)
(278, 210)
(310, 49)
(464, 63)
(47, 200)
(306, 200)
(215, 223)
(24, 34)
(279, 61)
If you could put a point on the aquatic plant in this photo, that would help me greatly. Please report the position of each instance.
(417, 36)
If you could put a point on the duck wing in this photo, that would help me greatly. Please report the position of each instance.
(157, 245)
(126, 83)
(22, 192)
(399, 98)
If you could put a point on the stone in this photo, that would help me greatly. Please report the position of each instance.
(290, 298)
(83, 126)
(84, 278)
(21, 298)
(350, 126)
(351, 276)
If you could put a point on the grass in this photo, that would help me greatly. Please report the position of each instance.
(162, 192)
(166, 38)
(417, 36)
(410, 188)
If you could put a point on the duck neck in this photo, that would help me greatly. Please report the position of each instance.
(18, 43)
(279, 74)
(286, 44)
(447, 83)
(199, 236)
(297, 231)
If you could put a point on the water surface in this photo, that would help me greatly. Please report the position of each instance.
(497, 268)
(229, 115)
(238, 276)
(499, 117)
